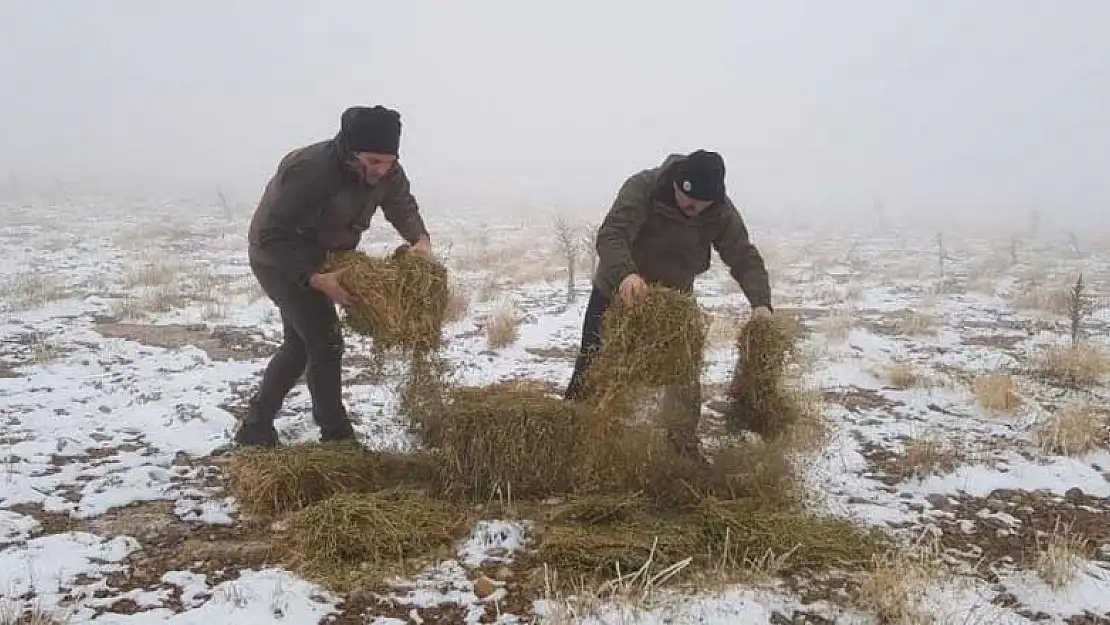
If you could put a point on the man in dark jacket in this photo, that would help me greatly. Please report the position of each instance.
(660, 230)
(322, 199)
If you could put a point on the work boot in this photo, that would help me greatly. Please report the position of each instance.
(342, 432)
(256, 434)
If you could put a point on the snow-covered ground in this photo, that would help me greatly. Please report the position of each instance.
(131, 332)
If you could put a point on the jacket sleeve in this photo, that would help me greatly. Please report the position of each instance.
(619, 229)
(743, 259)
(292, 220)
(401, 210)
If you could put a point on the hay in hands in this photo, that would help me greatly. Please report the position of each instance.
(759, 398)
(656, 340)
(401, 301)
(508, 438)
(274, 482)
(353, 538)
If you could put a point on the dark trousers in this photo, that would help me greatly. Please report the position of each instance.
(681, 408)
(312, 345)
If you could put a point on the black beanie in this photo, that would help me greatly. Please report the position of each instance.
(365, 129)
(702, 176)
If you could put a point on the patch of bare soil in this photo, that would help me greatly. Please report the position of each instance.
(1010, 527)
(553, 353)
(220, 343)
(997, 341)
(859, 400)
(7, 372)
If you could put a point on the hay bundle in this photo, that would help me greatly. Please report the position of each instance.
(759, 399)
(509, 437)
(273, 482)
(370, 532)
(400, 301)
(596, 551)
(657, 340)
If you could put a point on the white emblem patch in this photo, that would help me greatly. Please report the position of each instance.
(686, 186)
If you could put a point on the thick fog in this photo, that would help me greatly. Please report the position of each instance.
(820, 108)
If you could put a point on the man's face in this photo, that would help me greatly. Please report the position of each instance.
(689, 205)
(374, 166)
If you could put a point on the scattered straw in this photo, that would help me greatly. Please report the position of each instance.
(269, 482)
(401, 301)
(759, 399)
(364, 534)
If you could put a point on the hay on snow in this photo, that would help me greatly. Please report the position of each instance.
(274, 482)
(400, 301)
(368, 533)
(759, 398)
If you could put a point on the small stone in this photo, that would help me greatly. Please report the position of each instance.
(483, 587)
(1074, 495)
(938, 501)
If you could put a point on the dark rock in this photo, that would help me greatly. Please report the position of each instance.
(1005, 600)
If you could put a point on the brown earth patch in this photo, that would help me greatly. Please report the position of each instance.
(858, 400)
(220, 343)
(553, 353)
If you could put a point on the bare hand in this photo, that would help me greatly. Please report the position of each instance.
(632, 286)
(328, 284)
(761, 312)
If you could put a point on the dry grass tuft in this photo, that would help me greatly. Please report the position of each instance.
(723, 329)
(900, 375)
(400, 301)
(658, 340)
(997, 393)
(894, 589)
(503, 325)
(759, 398)
(1060, 559)
(917, 324)
(1082, 365)
(16, 614)
(354, 538)
(458, 304)
(29, 290)
(274, 482)
(925, 457)
(837, 326)
(1073, 430)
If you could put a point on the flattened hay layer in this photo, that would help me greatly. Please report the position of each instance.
(274, 482)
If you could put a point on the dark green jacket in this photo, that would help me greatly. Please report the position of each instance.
(315, 204)
(645, 233)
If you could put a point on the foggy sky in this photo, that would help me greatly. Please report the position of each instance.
(958, 106)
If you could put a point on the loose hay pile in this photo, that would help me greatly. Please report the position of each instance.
(657, 340)
(374, 532)
(760, 399)
(400, 301)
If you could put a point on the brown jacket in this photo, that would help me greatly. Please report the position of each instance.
(314, 204)
(645, 233)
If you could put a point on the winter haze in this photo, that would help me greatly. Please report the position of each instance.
(978, 109)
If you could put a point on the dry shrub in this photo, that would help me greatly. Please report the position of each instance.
(837, 326)
(900, 375)
(759, 398)
(503, 325)
(400, 301)
(1060, 558)
(658, 340)
(895, 587)
(372, 533)
(1081, 365)
(997, 393)
(272, 482)
(1073, 430)
(458, 304)
(506, 437)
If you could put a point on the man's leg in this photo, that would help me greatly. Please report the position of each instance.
(591, 341)
(312, 315)
(281, 374)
